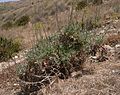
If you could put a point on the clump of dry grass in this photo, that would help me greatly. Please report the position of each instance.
(104, 81)
(112, 40)
(8, 81)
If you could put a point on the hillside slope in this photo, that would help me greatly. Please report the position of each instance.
(34, 8)
(95, 78)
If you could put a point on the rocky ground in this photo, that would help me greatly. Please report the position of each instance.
(104, 80)
(8, 74)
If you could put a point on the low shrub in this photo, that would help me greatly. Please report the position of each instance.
(61, 47)
(58, 55)
(7, 48)
(22, 21)
(7, 25)
(66, 43)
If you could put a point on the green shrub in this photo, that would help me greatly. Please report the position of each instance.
(42, 49)
(22, 21)
(61, 54)
(57, 51)
(7, 25)
(64, 45)
(7, 48)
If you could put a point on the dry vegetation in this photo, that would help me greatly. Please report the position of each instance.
(74, 47)
(104, 80)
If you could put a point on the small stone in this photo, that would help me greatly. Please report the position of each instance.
(117, 46)
(107, 47)
(102, 31)
(93, 57)
(16, 57)
(76, 74)
(117, 72)
(15, 84)
(113, 71)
